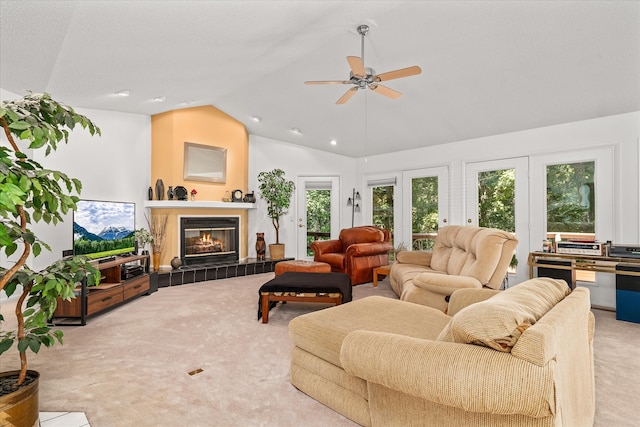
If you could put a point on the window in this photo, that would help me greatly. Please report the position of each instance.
(571, 205)
(318, 216)
(571, 200)
(424, 212)
(382, 208)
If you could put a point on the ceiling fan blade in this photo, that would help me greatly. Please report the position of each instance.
(383, 90)
(357, 66)
(328, 82)
(403, 72)
(347, 95)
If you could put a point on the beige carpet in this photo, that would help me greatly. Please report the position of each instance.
(129, 366)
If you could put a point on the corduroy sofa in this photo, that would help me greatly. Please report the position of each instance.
(462, 257)
(520, 357)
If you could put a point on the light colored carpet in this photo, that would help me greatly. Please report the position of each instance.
(129, 366)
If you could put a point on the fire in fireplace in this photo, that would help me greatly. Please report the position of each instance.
(209, 240)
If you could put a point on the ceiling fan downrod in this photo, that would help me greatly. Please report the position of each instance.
(362, 30)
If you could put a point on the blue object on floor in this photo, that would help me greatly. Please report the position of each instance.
(628, 294)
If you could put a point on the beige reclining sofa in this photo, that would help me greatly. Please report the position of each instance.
(521, 357)
(462, 257)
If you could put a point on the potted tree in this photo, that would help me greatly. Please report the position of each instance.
(29, 193)
(277, 192)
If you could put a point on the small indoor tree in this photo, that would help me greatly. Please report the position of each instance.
(29, 194)
(277, 191)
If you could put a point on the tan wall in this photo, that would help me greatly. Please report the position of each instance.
(208, 126)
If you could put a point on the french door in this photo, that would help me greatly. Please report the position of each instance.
(318, 212)
(497, 196)
(425, 206)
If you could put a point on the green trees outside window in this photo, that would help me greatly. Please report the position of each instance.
(318, 216)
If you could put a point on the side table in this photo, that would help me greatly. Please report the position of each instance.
(383, 270)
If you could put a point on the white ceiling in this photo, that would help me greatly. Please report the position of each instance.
(488, 67)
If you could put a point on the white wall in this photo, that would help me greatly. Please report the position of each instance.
(114, 166)
(267, 154)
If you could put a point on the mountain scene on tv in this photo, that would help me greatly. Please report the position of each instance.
(102, 229)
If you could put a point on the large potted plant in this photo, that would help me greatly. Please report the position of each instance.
(277, 191)
(29, 193)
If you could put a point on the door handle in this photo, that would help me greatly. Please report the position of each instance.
(469, 221)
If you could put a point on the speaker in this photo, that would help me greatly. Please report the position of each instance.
(153, 282)
(135, 247)
(628, 294)
(556, 273)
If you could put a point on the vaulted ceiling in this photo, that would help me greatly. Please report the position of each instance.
(487, 67)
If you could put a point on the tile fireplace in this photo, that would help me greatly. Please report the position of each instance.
(209, 240)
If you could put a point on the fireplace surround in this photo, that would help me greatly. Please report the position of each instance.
(209, 240)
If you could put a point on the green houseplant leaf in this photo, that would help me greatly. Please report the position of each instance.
(277, 191)
(30, 193)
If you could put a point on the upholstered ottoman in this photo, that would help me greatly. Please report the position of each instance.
(303, 287)
(302, 266)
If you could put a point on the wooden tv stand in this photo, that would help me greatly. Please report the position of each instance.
(114, 288)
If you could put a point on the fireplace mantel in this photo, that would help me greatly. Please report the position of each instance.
(196, 204)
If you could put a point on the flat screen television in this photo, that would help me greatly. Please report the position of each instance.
(103, 229)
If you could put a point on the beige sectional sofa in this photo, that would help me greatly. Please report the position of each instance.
(462, 257)
(521, 357)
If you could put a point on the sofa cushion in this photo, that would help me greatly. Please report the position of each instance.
(499, 321)
(321, 332)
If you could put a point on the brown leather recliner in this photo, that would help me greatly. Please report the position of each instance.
(357, 252)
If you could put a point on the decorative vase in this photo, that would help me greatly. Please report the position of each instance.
(156, 261)
(160, 189)
(276, 250)
(170, 193)
(150, 193)
(20, 407)
(176, 262)
(193, 197)
(261, 247)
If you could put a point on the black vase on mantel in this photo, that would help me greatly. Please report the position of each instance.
(160, 189)
(170, 193)
(150, 193)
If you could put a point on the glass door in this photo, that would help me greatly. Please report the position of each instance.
(317, 212)
(498, 197)
(426, 207)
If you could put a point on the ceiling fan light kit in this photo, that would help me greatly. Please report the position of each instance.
(362, 77)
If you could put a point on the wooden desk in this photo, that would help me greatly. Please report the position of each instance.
(575, 262)
(382, 271)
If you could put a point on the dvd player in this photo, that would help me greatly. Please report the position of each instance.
(625, 251)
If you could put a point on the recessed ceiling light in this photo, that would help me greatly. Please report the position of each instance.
(160, 98)
(123, 93)
(256, 119)
(296, 130)
(333, 141)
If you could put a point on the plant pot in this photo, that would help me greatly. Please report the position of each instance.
(20, 407)
(276, 250)
(156, 261)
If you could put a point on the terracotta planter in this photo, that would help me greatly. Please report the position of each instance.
(20, 408)
(276, 250)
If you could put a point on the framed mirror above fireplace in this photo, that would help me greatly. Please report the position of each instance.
(205, 163)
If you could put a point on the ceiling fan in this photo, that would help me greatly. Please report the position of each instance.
(363, 78)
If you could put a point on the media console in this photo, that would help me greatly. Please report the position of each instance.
(122, 279)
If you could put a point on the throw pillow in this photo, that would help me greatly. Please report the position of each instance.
(499, 321)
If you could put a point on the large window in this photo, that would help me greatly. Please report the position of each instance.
(382, 206)
(318, 216)
(571, 200)
(496, 199)
(424, 211)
